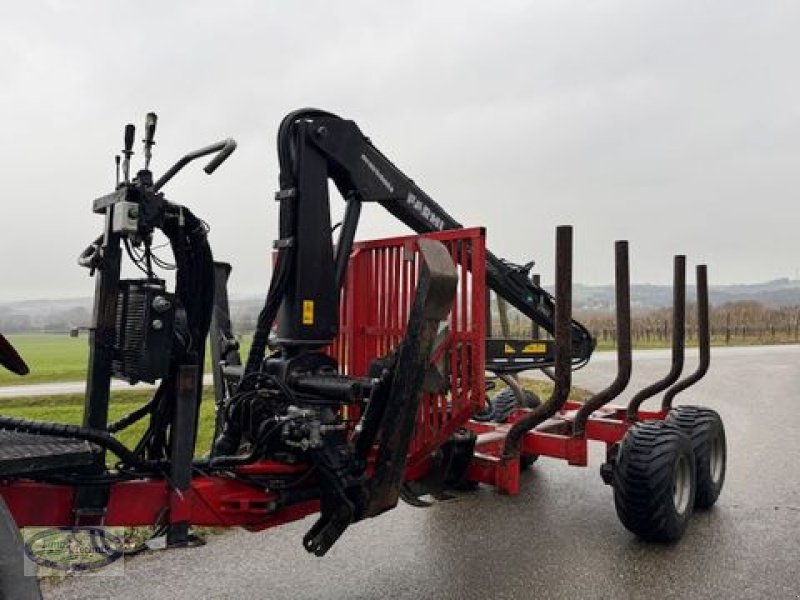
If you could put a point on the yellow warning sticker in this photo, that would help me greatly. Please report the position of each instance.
(308, 312)
(535, 348)
(509, 349)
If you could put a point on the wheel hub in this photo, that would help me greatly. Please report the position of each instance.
(682, 485)
(717, 459)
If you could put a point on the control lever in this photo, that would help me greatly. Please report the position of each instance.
(130, 133)
(10, 359)
(149, 133)
(224, 148)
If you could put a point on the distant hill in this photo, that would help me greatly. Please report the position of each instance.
(44, 314)
(61, 314)
(772, 294)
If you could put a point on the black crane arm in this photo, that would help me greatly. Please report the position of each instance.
(314, 146)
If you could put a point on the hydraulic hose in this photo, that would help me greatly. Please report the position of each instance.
(75, 432)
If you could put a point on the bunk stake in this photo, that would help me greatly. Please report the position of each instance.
(703, 341)
(563, 353)
(624, 360)
(678, 341)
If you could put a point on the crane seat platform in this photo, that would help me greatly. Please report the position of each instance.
(23, 454)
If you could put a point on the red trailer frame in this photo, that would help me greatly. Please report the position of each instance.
(379, 289)
(377, 297)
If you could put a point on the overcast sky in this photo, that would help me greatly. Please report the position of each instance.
(675, 125)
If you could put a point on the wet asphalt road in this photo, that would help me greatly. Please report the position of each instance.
(560, 538)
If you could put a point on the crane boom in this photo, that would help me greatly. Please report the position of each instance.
(315, 146)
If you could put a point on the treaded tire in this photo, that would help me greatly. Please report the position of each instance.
(707, 434)
(531, 401)
(14, 584)
(654, 481)
(499, 407)
(505, 401)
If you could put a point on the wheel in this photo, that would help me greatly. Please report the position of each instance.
(654, 481)
(707, 434)
(499, 408)
(532, 400)
(503, 403)
(14, 583)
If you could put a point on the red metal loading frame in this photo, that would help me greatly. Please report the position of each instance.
(552, 438)
(381, 282)
(376, 299)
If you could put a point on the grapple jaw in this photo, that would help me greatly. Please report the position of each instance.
(432, 303)
(391, 417)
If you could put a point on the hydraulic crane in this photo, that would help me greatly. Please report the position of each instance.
(371, 385)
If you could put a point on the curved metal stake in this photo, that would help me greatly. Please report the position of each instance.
(510, 379)
(624, 361)
(703, 341)
(563, 338)
(678, 342)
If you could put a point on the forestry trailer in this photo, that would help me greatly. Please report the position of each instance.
(367, 378)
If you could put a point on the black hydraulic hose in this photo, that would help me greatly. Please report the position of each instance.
(285, 158)
(132, 417)
(256, 452)
(284, 263)
(194, 288)
(75, 432)
(352, 212)
(277, 286)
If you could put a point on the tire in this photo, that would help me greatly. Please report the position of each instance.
(504, 402)
(499, 407)
(531, 400)
(707, 434)
(654, 481)
(14, 584)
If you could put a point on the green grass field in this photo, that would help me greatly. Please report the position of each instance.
(59, 357)
(50, 357)
(68, 408)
